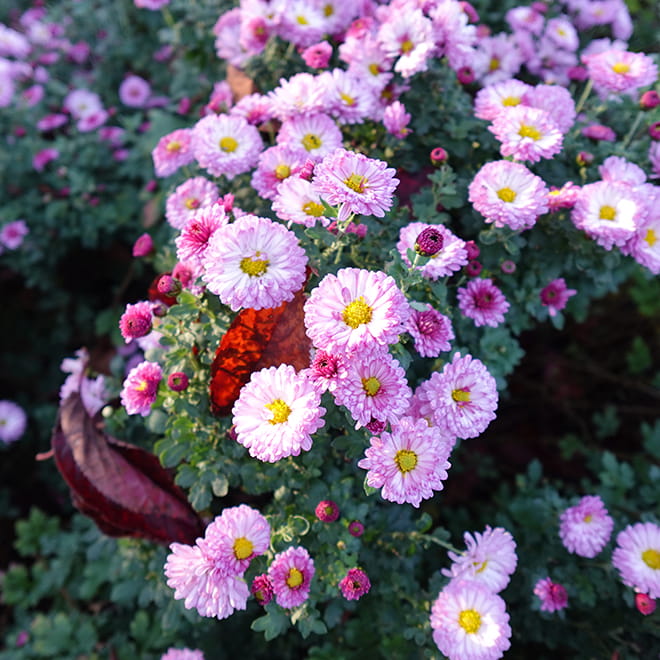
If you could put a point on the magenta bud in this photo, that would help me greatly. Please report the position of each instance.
(169, 286)
(178, 381)
(649, 100)
(473, 250)
(439, 156)
(429, 242)
(143, 246)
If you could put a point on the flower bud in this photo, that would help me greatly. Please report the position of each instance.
(356, 528)
(177, 381)
(654, 130)
(473, 250)
(473, 268)
(645, 604)
(465, 75)
(649, 100)
(143, 246)
(169, 286)
(429, 242)
(439, 156)
(584, 158)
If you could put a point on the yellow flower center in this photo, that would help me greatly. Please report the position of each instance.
(348, 100)
(295, 578)
(311, 141)
(470, 621)
(191, 203)
(175, 145)
(328, 10)
(506, 195)
(302, 20)
(620, 67)
(607, 213)
(313, 209)
(510, 101)
(650, 237)
(280, 411)
(406, 460)
(243, 548)
(357, 313)
(494, 64)
(651, 558)
(461, 395)
(587, 518)
(356, 182)
(254, 267)
(530, 131)
(482, 567)
(407, 46)
(282, 172)
(228, 144)
(142, 386)
(374, 69)
(371, 385)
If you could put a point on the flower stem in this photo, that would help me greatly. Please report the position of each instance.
(585, 94)
(633, 130)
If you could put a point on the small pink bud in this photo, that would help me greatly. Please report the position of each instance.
(327, 511)
(143, 246)
(645, 604)
(649, 100)
(169, 286)
(356, 528)
(178, 381)
(465, 75)
(473, 268)
(439, 156)
(473, 250)
(654, 130)
(429, 242)
(584, 158)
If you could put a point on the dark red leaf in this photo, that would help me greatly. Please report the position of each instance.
(123, 488)
(257, 339)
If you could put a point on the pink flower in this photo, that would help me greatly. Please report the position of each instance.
(396, 120)
(13, 421)
(297, 202)
(134, 91)
(275, 165)
(143, 246)
(555, 295)
(431, 331)
(301, 94)
(262, 589)
(553, 595)
(51, 122)
(618, 71)
(327, 511)
(356, 528)
(355, 585)
(191, 195)
(317, 55)
(482, 302)
(12, 234)
(43, 157)
(185, 653)
(172, 152)
(498, 97)
(599, 132)
(193, 241)
(637, 557)
(291, 574)
(644, 604)
(314, 136)
(586, 527)
(136, 321)
(151, 4)
(140, 388)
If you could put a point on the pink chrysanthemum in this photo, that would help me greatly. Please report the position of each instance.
(508, 194)
(396, 120)
(275, 165)
(494, 99)
(140, 388)
(431, 331)
(276, 413)
(373, 386)
(527, 133)
(191, 195)
(12, 234)
(301, 94)
(490, 558)
(325, 370)
(136, 321)
(482, 302)
(355, 308)
(92, 391)
(364, 184)
(355, 584)
(637, 557)
(619, 71)
(262, 589)
(225, 144)
(348, 99)
(202, 584)
(13, 421)
(454, 36)
(462, 398)
(410, 463)
(185, 653)
(556, 101)
(555, 295)
(564, 197)
(497, 58)
(172, 152)
(291, 573)
(448, 260)
(618, 169)
(134, 91)
(254, 262)
(552, 594)
(586, 528)
(297, 202)
(313, 136)
(317, 55)
(255, 108)
(644, 245)
(470, 622)
(193, 241)
(327, 511)
(235, 537)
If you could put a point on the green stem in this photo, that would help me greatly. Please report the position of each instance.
(583, 98)
(633, 130)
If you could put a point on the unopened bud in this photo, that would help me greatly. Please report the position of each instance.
(429, 242)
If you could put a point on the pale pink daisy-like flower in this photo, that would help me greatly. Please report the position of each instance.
(396, 120)
(365, 185)
(492, 99)
(608, 212)
(409, 464)
(225, 144)
(317, 55)
(555, 295)
(620, 170)
(94, 120)
(586, 528)
(301, 94)
(172, 152)
(527, 133)
(82, 102)
(136, 321)
(93, 391)
(644, 245)
(254, 108)
(291, 574)
(453, 35)
(314, 136)
(140, 388)
(552, 594)
(254, 262)
(564, 197)
(13, 421)
(355, 584)
(275, 165)
(556, 101)
(637, 557)
(236, 537)
(355, 308)
(13, 234)
(185, 653)
(51, 121)
(366, 59)
(297, 202)
(431, 331)
(372, 385)
(227, 32)
(302, 23)
(134, 91)
(192, 194)
(276, 413)
(193, 241)
(446, 261)
(497, 58)
(490, 558)
(619, 71)
(462, 398)
(482, 302)
(508, 194)
(470, 622)
(348, 99)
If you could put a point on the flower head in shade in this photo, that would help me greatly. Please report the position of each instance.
(13, 421)
(235, 537)
(225, 144)
(431, 331)
(262, 589)
(637, 557)
(193, 241)
(470, 621)
(254, 262)
(552, 594)
(13, 234)
(355, 308)
(297, 202)
(172, 152)
(134, 91)
(372, 385)
(291, 574)
(276, 413)
(136, 321)
(482, 302)
(365, 185)
(489, 558)
(143, 246)
(451, 257)
(586, 527)
(191, 195)
(616, 168)
(555, 295)
(619, 71)
(182, 654)
(355, 584)
(396, 120)
(43, 157)
(327, 511)
(410, 463)
(462, 398)
(508, 194)
(92, 390)
(140, 388)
